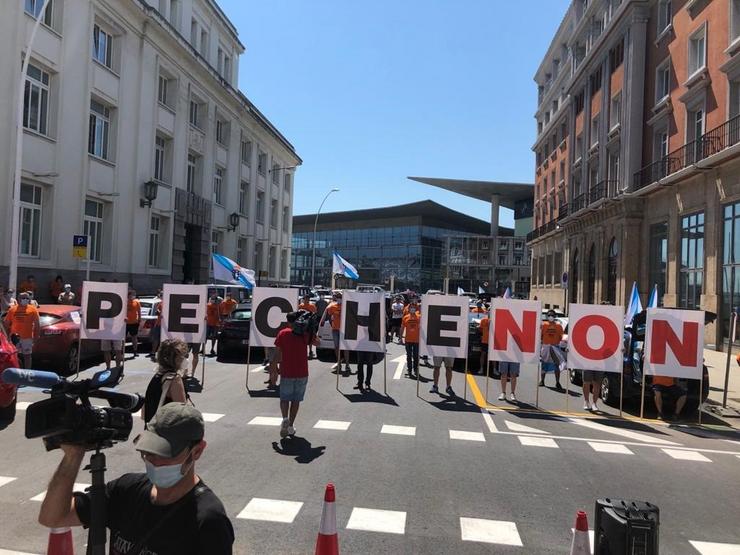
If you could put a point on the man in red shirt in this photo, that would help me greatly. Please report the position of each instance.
(292, 354)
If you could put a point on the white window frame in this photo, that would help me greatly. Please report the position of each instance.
(734, 23)
(222, 132)
(32, 211)
(275, 174)
(218, 183)
(663, 81)
(99, 131)
(615, 111)
(33, 8)
(246, 152)
(164, 90)
(665, 15)
(287, 183)
(216, 238)
(155, 227)
(191, 176)
(241, 249)
(595, 127)
(261, 163)
(102, 50)
(699, 34)
(244, 198)
(196, 110)
(662, 144)
(160, 154)
(93, 226)
(286, 218)
(260, 207)
(274, 213)
(284, 264)
(38, 86)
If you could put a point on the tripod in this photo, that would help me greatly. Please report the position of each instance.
(97, 535)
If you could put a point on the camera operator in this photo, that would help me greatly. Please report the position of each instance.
(166, 510)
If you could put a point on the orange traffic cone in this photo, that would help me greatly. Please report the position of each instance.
(328, 541)
(581, 545)
(60, 542)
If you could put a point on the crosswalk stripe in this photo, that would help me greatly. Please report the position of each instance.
(377, 520)
(9, 552)
(212, 416)
(76, 487)
(401, 362)
(271, 510)
(265, 421)
(620, 432)
(332, 425)
(686, 455)
(489, 531)
(713, 548)
(398, 430)
(515, 427)
(488, 420)
(22, 405)
(530, 441)
(467, 436)
(610, 448)
(6, 480)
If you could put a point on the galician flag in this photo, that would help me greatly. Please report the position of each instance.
(460, 291)
(653, 301)
(225, 269)
(343, 268)
(507, 293)
(634, 306)
(481, 290)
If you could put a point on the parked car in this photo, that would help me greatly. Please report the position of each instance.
(57, 347)
(148, 317)
(240, 293)
(8, 392)
(233, 337)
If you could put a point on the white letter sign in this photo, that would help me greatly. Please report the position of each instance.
(103, 310)
(184, 312)
(595, 337)
(674, 343)
(514, 331)
(269, 307)
(444, 326)
(363, 322)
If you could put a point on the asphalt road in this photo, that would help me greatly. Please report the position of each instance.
(445, 475)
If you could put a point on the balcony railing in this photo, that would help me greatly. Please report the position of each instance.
(603, 190)
(578, 203)
(563, 211)
(712, 142)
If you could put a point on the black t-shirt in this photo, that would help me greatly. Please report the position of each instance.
(199, 527)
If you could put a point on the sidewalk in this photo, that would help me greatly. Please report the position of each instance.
(716, 363)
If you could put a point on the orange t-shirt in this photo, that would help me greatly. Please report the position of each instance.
(227, 306)
(55, 289)
(663, 380)
(21, 320)
(410, 323)
(213, 314)
(478, 310)
(484, 326)
(406, 309)
(334, 313)
(552, 333)
(160, 309)
(307, 306)
(27, 286)
(133, 311)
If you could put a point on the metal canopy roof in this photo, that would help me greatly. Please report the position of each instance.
(509, 193)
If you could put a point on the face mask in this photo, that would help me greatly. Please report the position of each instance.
(412, 311)
(24, 302)
(550, 319)
(164, 476)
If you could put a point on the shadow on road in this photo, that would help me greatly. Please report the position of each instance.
(454, 403)
(370, 396)
(274, 393)
(298, 447)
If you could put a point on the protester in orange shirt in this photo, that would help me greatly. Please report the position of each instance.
(29, 284)
(213, 320)
(22, 320)
(478, 308)
(551, 334)
(333, 313)
(410, 330)
(133, 317)
(56, 287)
(485, 324)
(306, 305)
(228, 305)
(668, 386)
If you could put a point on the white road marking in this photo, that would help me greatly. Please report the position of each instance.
(257, 370)
(590, 539)
(732, 441)
(401, 362)
(22, 405)
(685, 455)
(467, 436)
(6, 480)
(489, 531)
(489, 421)
(532, 441)
(712, 548)
(212, 416)
(8, 552)
(272, 510)
(514, 427)
(398, 430)
(265, 421)
(620, 432)
(610, 448)
(332, 425)
(377, 520)
(76, 487)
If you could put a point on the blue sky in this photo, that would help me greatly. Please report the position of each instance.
(371, 92)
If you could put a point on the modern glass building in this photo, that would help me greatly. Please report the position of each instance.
(406, 242)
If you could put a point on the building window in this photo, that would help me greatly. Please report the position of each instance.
(661, 145)
(274, 213)
(216, 239)
(175, 13)
(159, 155)
(260, 207)
(258, 256)
(574, 276)
(218, 182)
(262, 163)
(33, 7)
(36, 100)
(662, 81)
(31, 213)
(243, 198)
(613, 166)
(275, 174)
(194, 33)
(695, 132)
(691, 275)
(286, 219)
(595, 81)
(196, 115)
(154, 226)
(579, 147)
(286, 183)
(284, 264)
(222, 132)
(93, 228)
(246, 152)
(615, 112)
(241, 250)
(579, 102)
(165, 91)
(595, 131)
(99, 132)
(611, 272)
(204, 43)
(102, 46)
(665, 15)
(697, 51)
(734, 20)
(192, 174)
(591, 275)
(731, 265)
(658, 259)
(616, 56)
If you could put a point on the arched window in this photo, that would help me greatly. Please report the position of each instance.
(611, 272)
(591, 276)
(574, 278)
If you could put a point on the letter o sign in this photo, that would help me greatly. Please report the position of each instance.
(611, 337)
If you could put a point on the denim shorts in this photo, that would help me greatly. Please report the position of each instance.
(510, 369)
(335, 337)
(292, 389)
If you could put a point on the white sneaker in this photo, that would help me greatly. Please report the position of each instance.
(502, 397)
(586, 406)
(512, 397)
(291, 431)
(594, 407)
(284, 427)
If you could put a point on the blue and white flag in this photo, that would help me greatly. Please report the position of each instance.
(635, 305)
(481, 290)
(653, 301)
(507, 293)
(460, 291)
(225, 269)
(343, 268)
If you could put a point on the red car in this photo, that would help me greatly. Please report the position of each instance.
(8, 359)
(57, 348)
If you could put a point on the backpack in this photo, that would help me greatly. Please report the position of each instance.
(156, 394)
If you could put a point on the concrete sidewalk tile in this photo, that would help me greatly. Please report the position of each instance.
(265, 421)
(489, 531)
(6, 480)
(271, 510)
(617, 448)
(377, 520)
(683, 455)
(398, 430)
(712, 548)
(467, 436)
(529, 441)
(332, 425)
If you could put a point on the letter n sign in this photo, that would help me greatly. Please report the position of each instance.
(674, 343)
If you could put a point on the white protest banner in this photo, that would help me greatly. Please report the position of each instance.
(184, 312)
(103, 310)
(363, 322)
(674, 343)
(269, 307)
(514, 331)
(444, 326)
(595, 337)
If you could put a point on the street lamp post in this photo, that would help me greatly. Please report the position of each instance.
(313, 241)
(16, 220)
